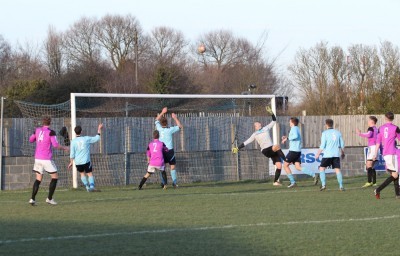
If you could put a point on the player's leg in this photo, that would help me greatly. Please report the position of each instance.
(172, 164)
(373, 171)
(150, 170)
(38, 170)
(89, 172)
(52, 188)
(391, 167)
(325, 162)
(368, 166)
(290, 157)
(268, 152)
(336, 167)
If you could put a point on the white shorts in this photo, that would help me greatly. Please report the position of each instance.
(152, 169)
(391, 162)
(371, 152)
(44, 165)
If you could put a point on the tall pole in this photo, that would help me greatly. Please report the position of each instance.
(73, 125)
(136, 59)
(1, 141)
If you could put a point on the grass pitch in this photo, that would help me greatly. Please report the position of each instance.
(244, 218)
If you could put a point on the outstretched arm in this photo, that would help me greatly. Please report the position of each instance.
(178, 123)
(163, 111)
(272, 123)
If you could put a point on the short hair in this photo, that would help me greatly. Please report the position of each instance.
(373, 118)
(294, 120)
(46, 120)
(156, 134)
(78, 130)
(390, 116)
(329, 122)
(163, 121)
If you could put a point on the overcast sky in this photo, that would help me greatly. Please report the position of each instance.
(291, 24)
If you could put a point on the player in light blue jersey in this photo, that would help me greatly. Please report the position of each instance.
(166, 136)
(294, 155)
(332, 146)
(80, 154)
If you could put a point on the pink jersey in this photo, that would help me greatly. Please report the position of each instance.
(371, 135)
(155, 152)
(45, 138)
(387, 138)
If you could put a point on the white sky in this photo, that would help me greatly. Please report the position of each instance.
(291, 24)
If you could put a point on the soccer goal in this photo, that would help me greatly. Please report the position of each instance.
(213, 124)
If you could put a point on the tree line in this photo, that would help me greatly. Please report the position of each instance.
(113, 54)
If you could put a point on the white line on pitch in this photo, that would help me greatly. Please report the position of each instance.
(174, 230)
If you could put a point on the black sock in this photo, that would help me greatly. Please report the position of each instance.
(396, 186)
(277, 175)
(52, 188)
(35, 188)
(373, 174)
(142, 182)
(385, 183)
(164, 175)
(369, 174)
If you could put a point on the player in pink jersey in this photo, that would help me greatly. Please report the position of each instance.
(45, 139)
(387, 138)
(371, 135)
(155, 158)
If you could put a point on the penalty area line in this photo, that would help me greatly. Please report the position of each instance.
(205, 228)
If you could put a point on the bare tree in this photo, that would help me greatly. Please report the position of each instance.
(119, 35)
(80, 42)
(53, 52)
(5, 60)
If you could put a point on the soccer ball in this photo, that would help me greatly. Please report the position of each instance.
(201, 49)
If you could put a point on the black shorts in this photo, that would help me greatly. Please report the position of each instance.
(169, 157)
(87, 168)
(333, 162)
(293, 157)
(268, 152)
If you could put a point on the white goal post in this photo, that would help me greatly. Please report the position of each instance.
(74, 96)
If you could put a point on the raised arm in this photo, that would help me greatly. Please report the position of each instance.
(163, 111)
(178, 123)
(273, 122)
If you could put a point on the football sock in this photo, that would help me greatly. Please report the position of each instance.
(396, 186)
(373, 175)
(277, 174)
(369, 174)
(385, 183)
(291, 178)
(91, 181)
(84, 180)
(164, 177)
(142, 182)
(322, 177)
(173, 176)
(52, 188)
(35, 188)
(307, 171)
(339, 177)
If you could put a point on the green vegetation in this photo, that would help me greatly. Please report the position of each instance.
(244, 218)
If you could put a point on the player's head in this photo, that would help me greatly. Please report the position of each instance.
(156, 134)
(372, 120)
(163, 121)
(46, 121)
(78, 130)
(329, 123)
(389, 116)
(257, 126)
(294, 121)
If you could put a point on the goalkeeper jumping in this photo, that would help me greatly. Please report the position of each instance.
(263, 138)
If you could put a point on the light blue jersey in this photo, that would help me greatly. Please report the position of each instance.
(80, 149)
(331, 143)
(166, 134)
(294, 139)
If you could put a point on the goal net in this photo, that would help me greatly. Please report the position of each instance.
(212, 125)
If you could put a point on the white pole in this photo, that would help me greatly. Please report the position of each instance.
(275, 128)
(73, 125)
(1, 141)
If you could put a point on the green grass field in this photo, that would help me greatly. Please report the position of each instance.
(244, 218)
